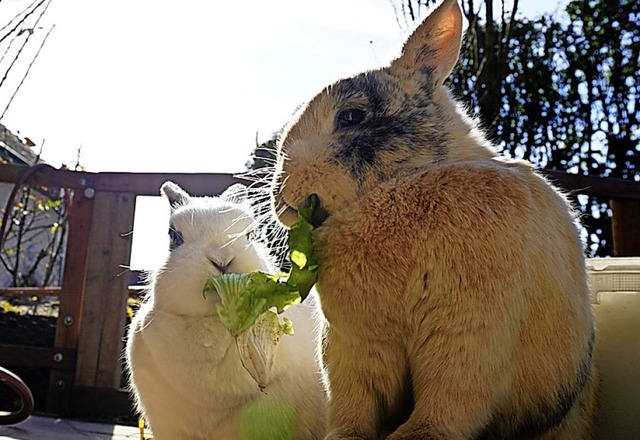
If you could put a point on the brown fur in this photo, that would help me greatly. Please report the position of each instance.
(453, 281)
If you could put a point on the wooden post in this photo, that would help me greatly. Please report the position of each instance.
(73, 282)
(625, 225)
(104, 311)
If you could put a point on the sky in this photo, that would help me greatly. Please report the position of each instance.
(185, 86)
(152, 85)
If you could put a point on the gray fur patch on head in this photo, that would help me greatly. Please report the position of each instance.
(394, 123)
(365, 87)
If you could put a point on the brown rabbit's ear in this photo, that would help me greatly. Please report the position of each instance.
(434, 45)
(177, 196)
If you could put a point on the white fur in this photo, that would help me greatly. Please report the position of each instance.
(186, 374)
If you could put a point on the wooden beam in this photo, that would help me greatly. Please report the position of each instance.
(148, 184)
(73, 284)
(75, 267)
(31, 291)
(143, 184)
(37, 357)
(105, 302)
(625, 226)
(595, 186)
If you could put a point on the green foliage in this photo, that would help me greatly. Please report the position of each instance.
(304, 265)
(244, 297)
(267, 420)
(264, 155)
(33, 245)
(559, 92)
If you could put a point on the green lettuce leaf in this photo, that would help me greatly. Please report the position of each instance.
(244, 297)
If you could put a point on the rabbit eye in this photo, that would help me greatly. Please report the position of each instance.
(349, 117)
(176, 239)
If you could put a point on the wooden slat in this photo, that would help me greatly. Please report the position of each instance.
(144, 184)
(75, 268)
(37, 357)
(148, 184)
(73, 285)
(43, 176)
(595, 186)
(59, 392)
(31, 291)
(625, 226)
(105, 302)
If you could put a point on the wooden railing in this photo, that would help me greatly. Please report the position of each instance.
(624, 201)
(85, 360)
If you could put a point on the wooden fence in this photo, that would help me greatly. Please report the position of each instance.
(84, 362)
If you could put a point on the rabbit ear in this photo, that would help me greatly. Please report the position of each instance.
(177, 196)
(236, 193)
(433, 46)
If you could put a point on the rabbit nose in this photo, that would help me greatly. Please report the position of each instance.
(222, 267)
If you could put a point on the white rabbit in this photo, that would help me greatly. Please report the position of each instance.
(186, 374)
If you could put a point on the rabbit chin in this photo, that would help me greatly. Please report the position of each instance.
(168, 283)
(287, 215)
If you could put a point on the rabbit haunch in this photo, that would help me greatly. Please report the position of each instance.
(186, 373)
(453, 280)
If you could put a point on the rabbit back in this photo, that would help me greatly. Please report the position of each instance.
(441, 285)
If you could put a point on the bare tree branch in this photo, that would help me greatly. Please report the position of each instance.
(24, 77)
(21, 21)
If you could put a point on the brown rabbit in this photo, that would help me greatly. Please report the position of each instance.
(453, 281)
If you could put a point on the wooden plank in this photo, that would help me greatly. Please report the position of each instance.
(625, 225)
(75, 268)
(149, 183)
(146, 184)
(73, 284)
(59, 392)
(105, 302)
(595, 186)
(43, 175)
(31, 291)
(37, 357)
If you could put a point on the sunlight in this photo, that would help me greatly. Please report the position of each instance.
(150, 245)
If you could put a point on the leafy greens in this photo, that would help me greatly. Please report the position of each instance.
(244, 297)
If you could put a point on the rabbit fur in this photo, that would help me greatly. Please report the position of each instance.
(186, 374)
(453, 280)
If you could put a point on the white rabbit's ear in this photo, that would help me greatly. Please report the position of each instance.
(177, 196)
(434, 45)
(236, 193)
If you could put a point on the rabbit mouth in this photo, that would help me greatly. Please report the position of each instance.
(319, 214)
(221, 268)
(289, 214)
